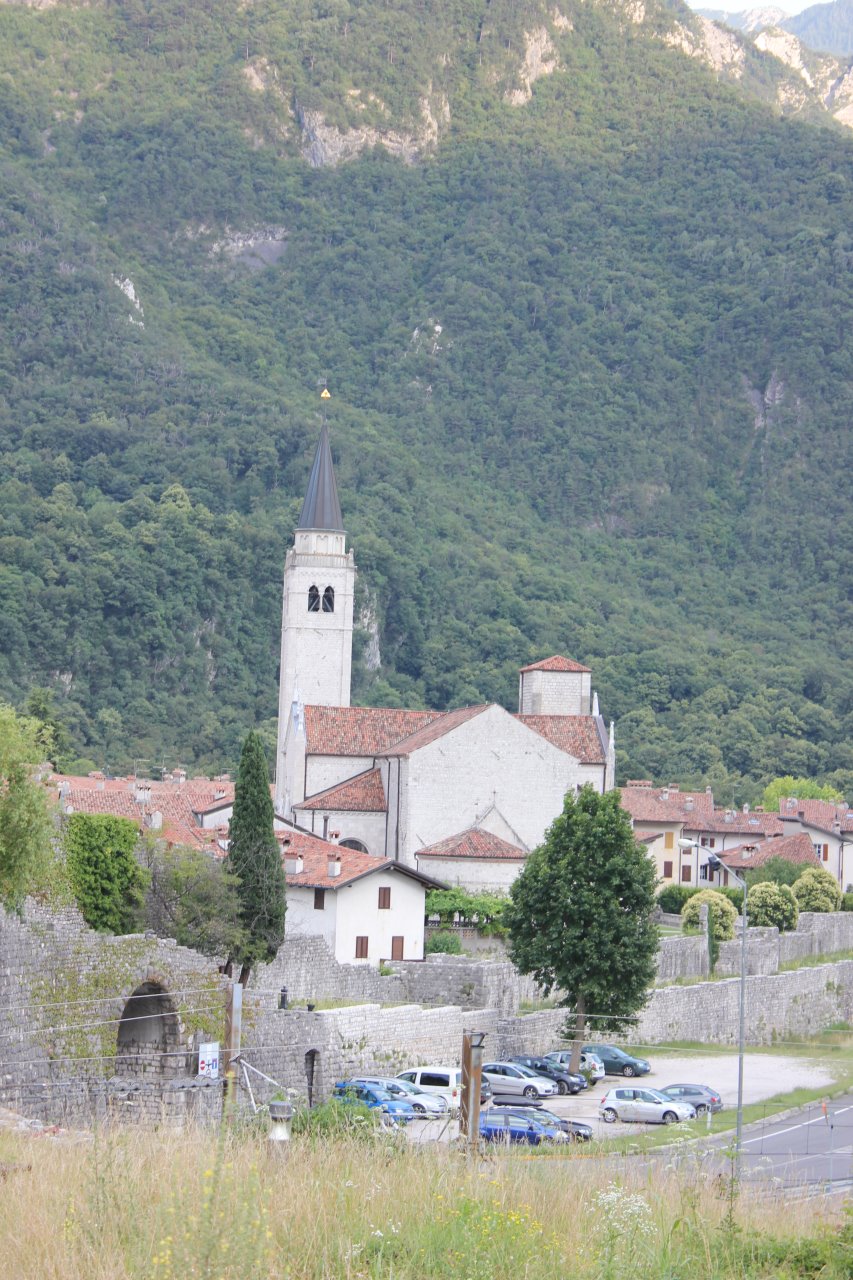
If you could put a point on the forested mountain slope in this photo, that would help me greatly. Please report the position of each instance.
(588, 333)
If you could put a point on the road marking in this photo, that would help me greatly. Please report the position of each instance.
(821, 1119)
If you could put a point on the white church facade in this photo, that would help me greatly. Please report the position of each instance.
(461, 795)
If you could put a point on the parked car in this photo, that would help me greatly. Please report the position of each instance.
(643, 1104)
(701, 1096)
(564, 1079)
(590, 1063)
(575, 1130)
(501, 1125)
(371, 1095)
(428, 1105)
(446, 1082)
(617, 1062)
(510, 1079)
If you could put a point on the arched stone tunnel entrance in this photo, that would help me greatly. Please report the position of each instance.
(149, 1036)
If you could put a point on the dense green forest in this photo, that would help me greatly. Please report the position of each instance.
(590, 355)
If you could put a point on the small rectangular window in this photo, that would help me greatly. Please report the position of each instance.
(669, 840)
(686, 874)
(385, 899)
(361, 948)
(319, 899)
(826, 853)
(667, 871)
(712, 843)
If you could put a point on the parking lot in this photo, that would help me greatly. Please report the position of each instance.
(765, 1076)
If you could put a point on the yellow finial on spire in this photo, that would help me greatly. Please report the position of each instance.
(324, 394)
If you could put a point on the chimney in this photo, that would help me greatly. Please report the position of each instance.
(142, 793)
(673, 786)
(294, 863)
(326, 827)
(99, 785)
(156, 821)
(334, 867)
(709, 791)
(746, 808)
(69, 808)
(688, 804)
(219, 793)
(729, 815)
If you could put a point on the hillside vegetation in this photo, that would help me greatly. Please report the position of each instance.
(588, 337)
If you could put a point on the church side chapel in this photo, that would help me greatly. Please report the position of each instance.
(462, 795)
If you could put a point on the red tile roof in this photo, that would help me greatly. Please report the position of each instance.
(822, 814)
(667, 804)
(360, 731)
(474, 843)
(436, 729)
(362, 794)
(177, 802)
(735, 821)
(576, 735)
(796, 848)
(316, 853)
(557, 663)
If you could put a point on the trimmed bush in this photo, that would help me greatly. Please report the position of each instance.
(673, 897)
(847, 901)
(817, 890)
(443, 943)
(722, 914)
(772, 904)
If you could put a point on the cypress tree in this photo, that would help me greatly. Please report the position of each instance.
(254, 857)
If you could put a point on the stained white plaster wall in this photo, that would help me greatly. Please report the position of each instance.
(358, 914)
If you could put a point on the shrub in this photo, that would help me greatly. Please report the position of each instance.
(107, 881)
(735, 897)
(722, 914)
(847, 901)
(817, 890)
(772, 904)
(673, 897)
(335, 1118)
(444, 942)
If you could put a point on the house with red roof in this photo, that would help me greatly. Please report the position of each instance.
(367, 909)
(829, 826)
(399, 784)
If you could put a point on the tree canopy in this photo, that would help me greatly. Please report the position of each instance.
(768, 903)
(254, 859)
(802, 788)
(106, 878)
(579, 915)
(193, 898)
(25, 826)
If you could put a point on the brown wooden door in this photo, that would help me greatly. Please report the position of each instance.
(396, 948)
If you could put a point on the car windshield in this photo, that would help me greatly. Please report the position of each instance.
(655, 1095)
(525, 1071)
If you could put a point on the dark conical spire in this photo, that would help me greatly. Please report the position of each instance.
(321, 508)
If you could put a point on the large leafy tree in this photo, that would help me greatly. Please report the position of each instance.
(25, 827)
(106, 878)
(579, 916)
(801, 788)
(255, 859)
(193, 898)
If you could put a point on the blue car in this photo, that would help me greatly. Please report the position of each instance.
(504, 1126)
(378, 1099)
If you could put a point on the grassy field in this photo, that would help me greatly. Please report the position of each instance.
(165, 1207)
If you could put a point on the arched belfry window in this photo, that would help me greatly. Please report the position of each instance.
(329, 600)
(313, 600)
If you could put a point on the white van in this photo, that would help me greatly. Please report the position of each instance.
(444, 1081)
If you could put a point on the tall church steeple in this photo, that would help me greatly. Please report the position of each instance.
(317, 619)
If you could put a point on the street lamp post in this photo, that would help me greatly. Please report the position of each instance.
(713, 865)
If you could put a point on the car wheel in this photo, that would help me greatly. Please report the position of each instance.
(562, 1087)
(628, 1070)
(669, 1117)
(608, 1115)
(531, 1091)
(576, 1090)
(701, 1108)
(419, 1108)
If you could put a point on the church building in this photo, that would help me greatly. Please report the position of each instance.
(460, 795)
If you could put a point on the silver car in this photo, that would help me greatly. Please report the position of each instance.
(510, 1080)
(428, 1105)
(647, 1105)
(590, 1063)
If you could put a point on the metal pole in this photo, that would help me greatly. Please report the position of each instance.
(233, 1024)
(741, 1037)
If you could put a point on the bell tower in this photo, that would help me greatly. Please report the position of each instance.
(317, 613)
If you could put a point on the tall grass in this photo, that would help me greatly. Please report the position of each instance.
(155, 1206)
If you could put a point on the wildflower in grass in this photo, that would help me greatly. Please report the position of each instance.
(624, 1226)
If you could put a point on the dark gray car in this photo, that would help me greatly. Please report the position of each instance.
(700, 1096)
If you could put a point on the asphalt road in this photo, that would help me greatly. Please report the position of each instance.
(807, 1149)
